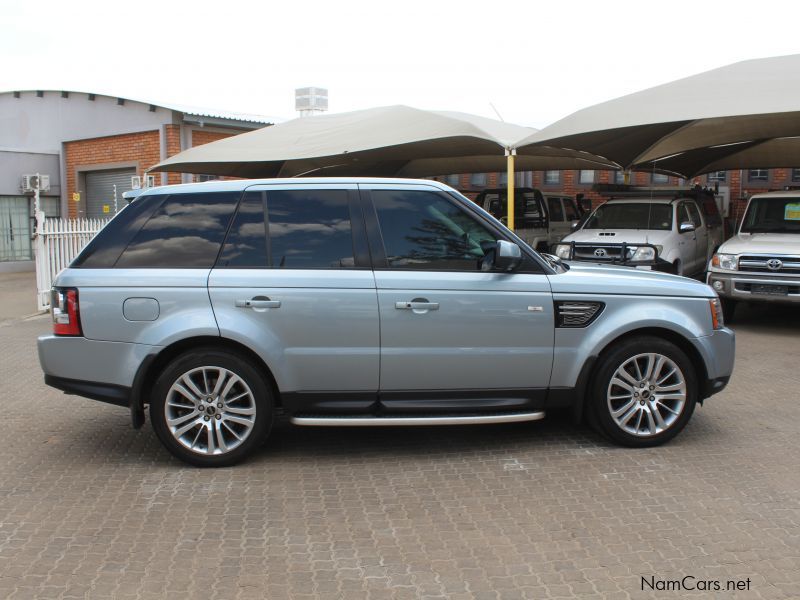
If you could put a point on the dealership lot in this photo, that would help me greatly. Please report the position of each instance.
(91, 508)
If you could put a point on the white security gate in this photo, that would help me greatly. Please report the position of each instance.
(57, 242)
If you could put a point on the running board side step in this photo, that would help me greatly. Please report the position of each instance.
(403, 421)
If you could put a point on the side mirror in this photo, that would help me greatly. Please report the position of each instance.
(686, 227)
(507, 256)
(574, 225)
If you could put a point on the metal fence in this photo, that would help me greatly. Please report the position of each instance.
(58, 241)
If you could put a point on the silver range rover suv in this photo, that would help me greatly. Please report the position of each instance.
(358, 302)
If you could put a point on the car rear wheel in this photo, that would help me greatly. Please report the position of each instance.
(644, 392)
(211, 408)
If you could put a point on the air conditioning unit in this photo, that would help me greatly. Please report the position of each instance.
(151, 181)
(30, 183)
(136, 182)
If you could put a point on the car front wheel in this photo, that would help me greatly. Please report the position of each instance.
(644, 392)
(211, 408)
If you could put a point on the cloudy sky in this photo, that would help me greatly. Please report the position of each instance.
(534, 61)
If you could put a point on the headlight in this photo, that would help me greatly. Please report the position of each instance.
(563, 250)
(644, 254)
(724, 261)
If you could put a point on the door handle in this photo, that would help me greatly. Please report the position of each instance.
(417, 305)
(258, 303)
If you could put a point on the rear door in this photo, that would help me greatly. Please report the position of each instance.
(453, 336)
(293, 282)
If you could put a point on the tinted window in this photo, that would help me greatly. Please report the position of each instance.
(772, 215)
(246, 244)
(104, 249)
(185, 231)
(554, 206)
(309, 229)
(694, 215)
(570, 210)
(425, 230)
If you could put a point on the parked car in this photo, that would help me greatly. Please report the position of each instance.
(365, 302)
(539, 219)
(761, 263)
(675, 228)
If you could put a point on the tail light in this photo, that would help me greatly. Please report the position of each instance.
(66, 312)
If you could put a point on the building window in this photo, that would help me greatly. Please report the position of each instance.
(502, 178)
(796, 175)
(619, 177)
(478, 179)
(552, 177)
(758, 175)
(660, 178)
(586, 176)
(453, 180)
(201, 178)
(717, 176)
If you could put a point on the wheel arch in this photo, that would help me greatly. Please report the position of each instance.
(594, 361)
(155, 363)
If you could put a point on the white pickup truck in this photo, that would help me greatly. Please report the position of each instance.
(761, 263)
(678, 232)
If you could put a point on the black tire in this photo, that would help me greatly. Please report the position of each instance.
(600, 406)
(251, 380)
(728, 309)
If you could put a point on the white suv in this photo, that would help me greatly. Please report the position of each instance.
(677, 228)
(761, 263)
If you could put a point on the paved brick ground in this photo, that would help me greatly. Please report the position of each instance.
(91, 509)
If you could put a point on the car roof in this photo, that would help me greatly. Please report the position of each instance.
(237, 185)
(782, 194)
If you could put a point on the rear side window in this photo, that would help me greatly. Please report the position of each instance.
(694, 214)
(309, 229)
(554, 206)
(711, 212)
(570, 210)
(186, 231)
(292, 229)
(426, 231)
(104, 249)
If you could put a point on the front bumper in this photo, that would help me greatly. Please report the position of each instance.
(739, 286)
(719, 352)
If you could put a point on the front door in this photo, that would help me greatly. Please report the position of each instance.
(451, 333)
(687, 242)
(297, 287)
(701, 237)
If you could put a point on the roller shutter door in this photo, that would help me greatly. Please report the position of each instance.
(100, 191)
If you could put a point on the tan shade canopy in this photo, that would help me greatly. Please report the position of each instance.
(384, 141)
(706, 117)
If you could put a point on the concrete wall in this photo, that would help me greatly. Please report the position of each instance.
(33, 124)
(15, 164)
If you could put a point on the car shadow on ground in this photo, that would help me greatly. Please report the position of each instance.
(772, 319)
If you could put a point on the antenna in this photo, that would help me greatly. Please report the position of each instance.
(499, 116)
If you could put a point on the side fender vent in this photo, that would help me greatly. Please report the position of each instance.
(577, 314)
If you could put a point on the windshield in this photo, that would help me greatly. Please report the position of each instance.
(644, 215)
(772, 215)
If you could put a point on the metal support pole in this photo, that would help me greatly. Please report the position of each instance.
(510, 154)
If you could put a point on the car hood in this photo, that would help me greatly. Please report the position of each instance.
(762, 243)
(629, 236)
(588, 278)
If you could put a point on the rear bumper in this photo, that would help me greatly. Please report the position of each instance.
(104, 392)
(100, 370)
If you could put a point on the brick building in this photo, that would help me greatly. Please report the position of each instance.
(92, 147)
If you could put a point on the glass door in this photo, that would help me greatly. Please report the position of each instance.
(15, 229)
